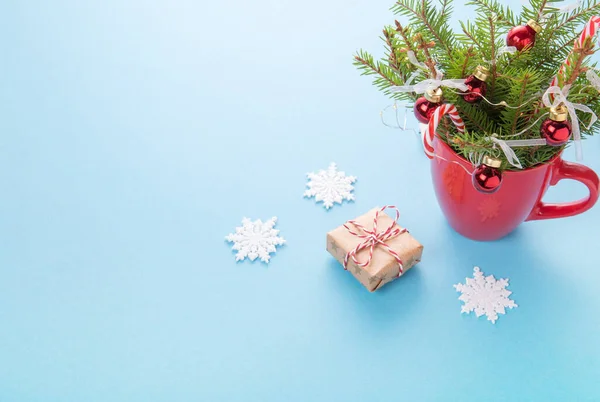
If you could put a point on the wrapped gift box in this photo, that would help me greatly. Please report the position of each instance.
(384, 265)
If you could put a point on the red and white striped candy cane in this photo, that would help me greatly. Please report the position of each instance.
(450, 110)
(588, 32)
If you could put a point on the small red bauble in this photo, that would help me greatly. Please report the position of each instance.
(487, 177)
(425, 106)
(477, 86)
(557, 129)
(523, 36)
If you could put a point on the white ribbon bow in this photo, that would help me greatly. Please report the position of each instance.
(429, 84)
(560, 96)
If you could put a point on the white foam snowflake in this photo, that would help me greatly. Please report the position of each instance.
(255, 239)
(330, 186)
(485, 295)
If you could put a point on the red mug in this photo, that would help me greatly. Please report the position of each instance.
(480, 216)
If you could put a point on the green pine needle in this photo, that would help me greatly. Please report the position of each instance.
(518, 79)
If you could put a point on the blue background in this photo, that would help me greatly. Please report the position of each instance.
(137, 134)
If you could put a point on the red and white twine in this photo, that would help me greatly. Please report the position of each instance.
(589, 31)
(373, 239)
(446, 109)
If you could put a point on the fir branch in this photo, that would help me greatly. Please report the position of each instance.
(446, 5)
(493, 50)
(385, 75)
(469, 146)
(419, 10)
(557, 52)
(505, 15)
(515, 79)
(470, 34)
(577, 15)
(466, 62)
(393, 58)
(366, 64)
(567, 44)
(541, 8)
(429, 62)
(404, 33)
(535, 9)
(579, 54)
(475, 118)
(520, 99)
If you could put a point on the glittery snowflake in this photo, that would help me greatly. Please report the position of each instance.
(485, 295)
(255, 239)
(330, 186)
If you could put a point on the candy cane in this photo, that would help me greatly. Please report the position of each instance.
(450, 110)
(588, 32)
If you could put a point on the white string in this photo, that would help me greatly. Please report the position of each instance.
(396, 107)
(528, 128)
(456, 163)
(475, 158)
(502, 103)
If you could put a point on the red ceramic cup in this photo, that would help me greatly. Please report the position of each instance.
(481, 216)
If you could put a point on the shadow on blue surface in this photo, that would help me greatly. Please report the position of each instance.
(388, 305)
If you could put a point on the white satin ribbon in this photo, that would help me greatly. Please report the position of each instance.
(506, 147)
(507, 49)
(429, 84)
(593, 78)
(560, 96)
(570, 7)
(501, 51)
(413, 59)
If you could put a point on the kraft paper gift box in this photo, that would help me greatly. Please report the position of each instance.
(383, 266)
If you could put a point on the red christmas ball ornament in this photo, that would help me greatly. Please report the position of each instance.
(557, 129)
(487, 177)
(476, 85)
(523, 36)
(425, 106)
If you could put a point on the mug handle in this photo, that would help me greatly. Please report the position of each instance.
(573, 171)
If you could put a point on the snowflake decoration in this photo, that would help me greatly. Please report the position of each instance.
(255, 239)
(485, 295)
(330, 186)
(489, 208)
(454, 179)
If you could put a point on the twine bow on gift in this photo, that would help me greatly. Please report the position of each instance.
(560, 96)
(373, 239)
